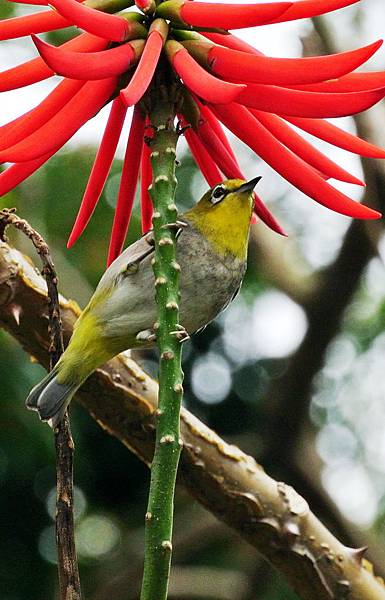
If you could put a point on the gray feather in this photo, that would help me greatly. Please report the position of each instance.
(50, 398)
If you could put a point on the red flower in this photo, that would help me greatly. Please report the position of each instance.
(226, 81)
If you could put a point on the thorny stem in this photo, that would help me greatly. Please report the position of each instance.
(159, 516)
(68, 571)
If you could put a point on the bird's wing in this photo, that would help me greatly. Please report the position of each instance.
(134, 254)
(129, 261)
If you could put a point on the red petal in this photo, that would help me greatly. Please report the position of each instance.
(266, 216)
(144, 71)
(23, 126)
(312, 8)
(25, 74)
(36, 2)
(91, 65)
(17, 173)
(146, 208)
(285, 134)
(218, 152)
(146, 6)
(218, 130)
(110, 27)
(353, 82)
(231, 41)
(231, 16)
(100, 169)
(62, 126)
(307, 104)
(127, 187)
(234, 172)
(36, 23)
(284, 71)
(200, 81)
(202, 158)
(338, 137)
(36, 70)
(292, 168)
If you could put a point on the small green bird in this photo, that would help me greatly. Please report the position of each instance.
(212, 252)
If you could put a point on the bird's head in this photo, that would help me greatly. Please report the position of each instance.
(223, 215)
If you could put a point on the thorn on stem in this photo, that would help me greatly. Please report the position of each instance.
(160, 281)
(167, 439)
(160, 178)
(175, 265)
(167, 545)
(357, 554)
(172, 306)
(165, 242)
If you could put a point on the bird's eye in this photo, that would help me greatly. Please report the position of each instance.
(218, 193)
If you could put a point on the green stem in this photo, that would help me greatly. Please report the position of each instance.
(109, 6)
(159, 516)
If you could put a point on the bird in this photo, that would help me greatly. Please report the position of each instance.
(211, 249)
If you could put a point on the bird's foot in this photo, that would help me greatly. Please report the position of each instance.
(180, 334)
(176, 225)
(145, 336)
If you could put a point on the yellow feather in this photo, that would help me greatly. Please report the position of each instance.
(86, 350)
(226, 224)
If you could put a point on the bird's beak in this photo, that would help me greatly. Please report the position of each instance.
(249, 185)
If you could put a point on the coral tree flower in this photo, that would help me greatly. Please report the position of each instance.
(224, 80)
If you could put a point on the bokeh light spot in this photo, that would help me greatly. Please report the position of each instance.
(80, 503)
(47, 545)
(96, 536)
(211, 378)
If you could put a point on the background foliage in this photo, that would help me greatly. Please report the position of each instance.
(329, 443)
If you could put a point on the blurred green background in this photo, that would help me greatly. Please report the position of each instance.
(249, 375)
(231, 369)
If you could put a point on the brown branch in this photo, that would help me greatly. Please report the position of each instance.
(68, 571)
(268, 514)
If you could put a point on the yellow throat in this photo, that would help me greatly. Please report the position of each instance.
(225, 224)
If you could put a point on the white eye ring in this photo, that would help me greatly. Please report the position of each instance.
(218, 193)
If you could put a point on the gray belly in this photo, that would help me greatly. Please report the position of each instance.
(207, 286)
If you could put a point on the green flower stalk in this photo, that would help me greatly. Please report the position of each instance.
(159, 516)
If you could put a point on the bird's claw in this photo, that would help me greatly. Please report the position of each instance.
(147, 335)
(180, 334)
(176, 225)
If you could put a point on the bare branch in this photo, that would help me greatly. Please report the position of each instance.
(68, 571)
(122, 398)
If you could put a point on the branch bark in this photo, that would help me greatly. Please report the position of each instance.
(122, 398)
(68, 570)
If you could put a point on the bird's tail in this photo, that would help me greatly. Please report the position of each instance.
(51, 398)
